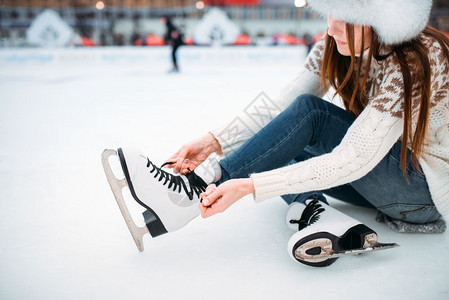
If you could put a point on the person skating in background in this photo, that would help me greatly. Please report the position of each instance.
(173, 37)
(308, 39)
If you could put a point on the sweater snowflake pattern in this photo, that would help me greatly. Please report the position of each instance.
(369, 138)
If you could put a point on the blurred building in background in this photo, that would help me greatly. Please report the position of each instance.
(130, 22)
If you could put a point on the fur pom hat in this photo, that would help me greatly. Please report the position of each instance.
(395, 21)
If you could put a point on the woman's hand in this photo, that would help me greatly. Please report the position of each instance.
(218, 199)
(192, 154)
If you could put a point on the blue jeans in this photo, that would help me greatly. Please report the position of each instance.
(310, 127)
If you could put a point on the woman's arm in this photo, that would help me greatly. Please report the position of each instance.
(367, 141)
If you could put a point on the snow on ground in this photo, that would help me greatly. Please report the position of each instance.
(62, 235)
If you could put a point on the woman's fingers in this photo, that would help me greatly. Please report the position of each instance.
(225, 195)
(189, 156)
(210, 204)
(182, 163)
(170, 163)
(179, 165)
(207, 211)
(172, 159)
(212, 196)
(210, 188)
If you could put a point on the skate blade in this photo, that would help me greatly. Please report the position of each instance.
(376, 247)
(328, 253)
(117, 187)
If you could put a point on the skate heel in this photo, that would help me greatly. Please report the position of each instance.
(359, 236)
(117, 186)
(153, 223)
(318, 250)
(152, 220)
(325, 234)
(313, 250)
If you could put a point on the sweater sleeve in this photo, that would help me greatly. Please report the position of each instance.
(366, 142)
(261, 111)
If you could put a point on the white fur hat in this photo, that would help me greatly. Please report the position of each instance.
(395, 21)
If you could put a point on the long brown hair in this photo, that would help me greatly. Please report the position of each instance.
(345, 77)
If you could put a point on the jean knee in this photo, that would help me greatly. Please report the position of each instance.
(412, 213)
(307, 102)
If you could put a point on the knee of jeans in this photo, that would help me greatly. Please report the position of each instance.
(308, 102)
(418, 214)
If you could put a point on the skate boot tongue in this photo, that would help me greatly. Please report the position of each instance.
(209, 171)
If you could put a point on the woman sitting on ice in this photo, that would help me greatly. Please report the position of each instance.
(387, 149)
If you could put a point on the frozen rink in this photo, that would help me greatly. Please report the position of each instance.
(62, 234)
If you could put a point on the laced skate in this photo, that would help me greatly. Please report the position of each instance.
(324, 234)
(171, 201)
(196, 184)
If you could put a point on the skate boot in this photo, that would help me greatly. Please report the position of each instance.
(171, 201)
(324, 234)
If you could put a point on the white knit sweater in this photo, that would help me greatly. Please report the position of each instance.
(369, 138)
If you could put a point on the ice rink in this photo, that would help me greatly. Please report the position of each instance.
(62, 235)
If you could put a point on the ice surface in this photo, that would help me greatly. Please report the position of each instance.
(62, 235)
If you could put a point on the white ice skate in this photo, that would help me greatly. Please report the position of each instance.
(171, 201)
(325, 234)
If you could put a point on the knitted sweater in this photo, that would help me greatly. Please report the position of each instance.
(368, 139)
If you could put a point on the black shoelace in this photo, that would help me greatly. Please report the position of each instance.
(310, 215)
(176, 183)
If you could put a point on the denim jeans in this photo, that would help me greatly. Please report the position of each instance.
(310, 127)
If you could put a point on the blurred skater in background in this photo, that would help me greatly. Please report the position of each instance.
(173, 38)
